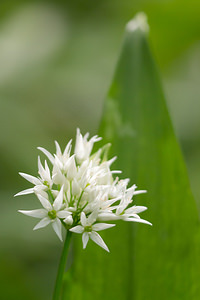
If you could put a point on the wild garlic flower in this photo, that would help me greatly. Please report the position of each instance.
(89, 227)
(79, 191)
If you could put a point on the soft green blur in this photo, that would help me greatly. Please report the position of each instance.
(56, 64)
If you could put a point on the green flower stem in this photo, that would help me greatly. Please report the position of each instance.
(80, 198)
(61, 268)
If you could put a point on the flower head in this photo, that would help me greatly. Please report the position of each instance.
(79, 192)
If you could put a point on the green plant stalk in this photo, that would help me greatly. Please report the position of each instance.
(61, 268)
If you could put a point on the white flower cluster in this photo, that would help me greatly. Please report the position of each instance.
(79, 191)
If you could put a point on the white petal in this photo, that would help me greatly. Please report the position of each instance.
(57, 162)
(30, 178)
(85, 239)
(69, 220)
(111, 161)
(44, 222)
(95, 138)
(58, 177)
(55, 193)
(63, 214)
(116, 172)
(132, 188)
(98, 240)
(67, 149)
(25, 192)
(39, 190)
(136, 220)
(56, 224)
(77, 229)
(72, 170)
(47, 153)
(36, 213)
(41, 170)
(47, 170)
(84, 219)
(75, 187)
(92, 218)
(107, 217)
(139, 192)
(108, 203)
(58, 150)
(135, 209)
(79, 147)
(59, 200)
(86, 136)
(45, 203)
(44, 172)
(102, 226)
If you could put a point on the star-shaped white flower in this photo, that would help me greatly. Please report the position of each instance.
(88, 229)
(130, 214)
(62, 157)
(42, 183)
(50, 213)
(83, 147)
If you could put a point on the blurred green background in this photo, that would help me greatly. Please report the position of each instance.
(56, 64)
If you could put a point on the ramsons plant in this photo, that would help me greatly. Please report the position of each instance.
(80, 193)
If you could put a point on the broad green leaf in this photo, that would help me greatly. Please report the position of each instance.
(159, 262)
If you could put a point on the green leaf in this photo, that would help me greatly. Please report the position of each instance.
(162, 261)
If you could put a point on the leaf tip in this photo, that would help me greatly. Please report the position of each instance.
(138, 22)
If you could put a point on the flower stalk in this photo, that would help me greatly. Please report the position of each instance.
(61, 268)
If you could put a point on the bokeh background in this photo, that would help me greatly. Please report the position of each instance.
(57, 59)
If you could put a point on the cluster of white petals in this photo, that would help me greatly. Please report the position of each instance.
(80, 193)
